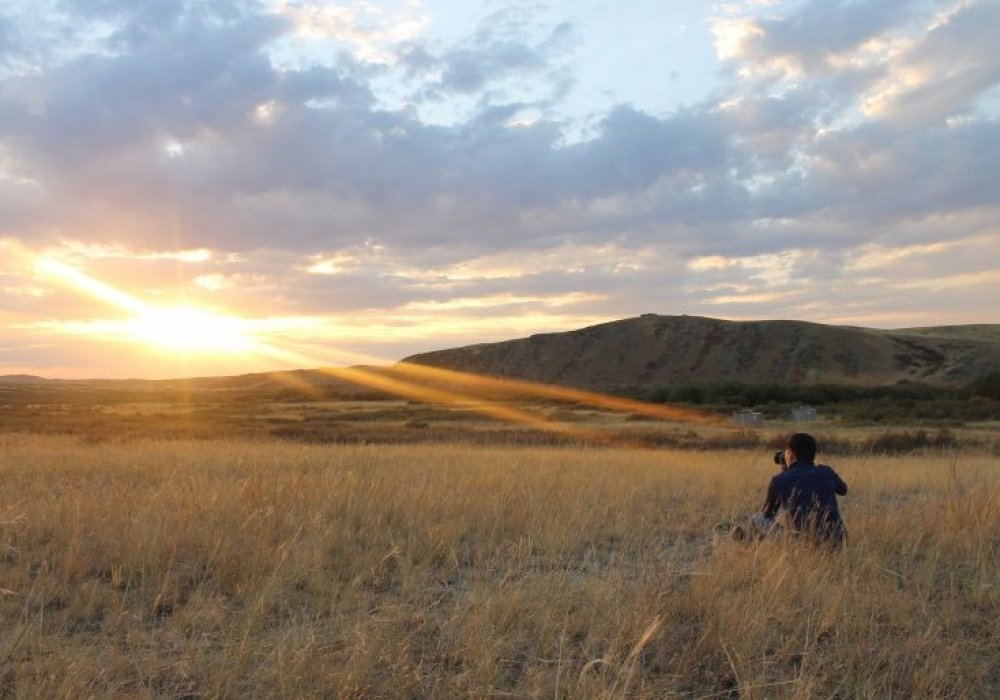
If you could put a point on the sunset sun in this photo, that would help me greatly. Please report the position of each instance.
(182, 329)
(191, 330)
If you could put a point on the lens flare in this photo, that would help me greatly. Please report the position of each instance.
(561, 393)
(181, 329)
(379, 380)
(188, 330)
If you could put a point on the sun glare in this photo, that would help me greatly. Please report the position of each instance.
(185, 329)
(188, 330)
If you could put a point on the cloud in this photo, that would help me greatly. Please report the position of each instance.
(876, 173)
(217, 141)
(370, 30)
(500, 300)
(942, 73)
(237, 155)
(208, 138)
(811, 38)
(495, 53)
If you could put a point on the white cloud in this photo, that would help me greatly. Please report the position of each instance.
(499, 300)
(771, 269)
(372, 31)
(962, 280)
(875, 256)
(733, 34)
(710, 262)
(758, 298)
(82, 251)
(212, 283)
(942, 71)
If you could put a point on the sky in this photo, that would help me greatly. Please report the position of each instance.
(218, 186)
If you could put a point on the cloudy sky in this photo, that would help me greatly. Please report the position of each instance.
(355, 181)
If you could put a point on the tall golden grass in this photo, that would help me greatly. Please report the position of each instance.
(241, 569)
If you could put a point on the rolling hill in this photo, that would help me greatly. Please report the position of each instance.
(654, 350)
(621, 356)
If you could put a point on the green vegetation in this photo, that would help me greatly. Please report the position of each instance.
(987, 387)
(896, 404)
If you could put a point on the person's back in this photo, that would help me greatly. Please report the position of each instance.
(807, 493)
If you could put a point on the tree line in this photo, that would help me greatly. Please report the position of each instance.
(976, 401)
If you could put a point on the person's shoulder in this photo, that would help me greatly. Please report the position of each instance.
(827, 473)
(782, 477)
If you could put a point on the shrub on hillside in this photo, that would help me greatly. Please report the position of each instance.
(986, 387)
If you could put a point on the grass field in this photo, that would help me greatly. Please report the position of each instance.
(236, 569)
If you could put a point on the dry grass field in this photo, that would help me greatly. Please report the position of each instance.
(264, 569)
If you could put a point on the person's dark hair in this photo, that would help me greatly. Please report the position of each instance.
(804, 447)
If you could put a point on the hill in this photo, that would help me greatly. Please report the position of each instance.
(654, 350)
(21, 379)
(310, 384)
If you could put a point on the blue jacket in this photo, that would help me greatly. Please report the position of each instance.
(808, 493)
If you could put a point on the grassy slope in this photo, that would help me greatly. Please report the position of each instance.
(984, 332)
(238, 568)
(653, 350)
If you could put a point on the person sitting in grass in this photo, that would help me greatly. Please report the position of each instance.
(807, 494)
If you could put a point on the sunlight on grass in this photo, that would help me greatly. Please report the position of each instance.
(275, 569)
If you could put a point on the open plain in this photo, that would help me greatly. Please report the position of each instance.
(253, 567)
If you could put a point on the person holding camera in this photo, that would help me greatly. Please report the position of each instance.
(806, 492)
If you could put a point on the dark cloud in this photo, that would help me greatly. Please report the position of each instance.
(634, 150)
(875, 173)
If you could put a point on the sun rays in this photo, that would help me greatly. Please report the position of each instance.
(182, 329)
(192, 330)
(551, 391)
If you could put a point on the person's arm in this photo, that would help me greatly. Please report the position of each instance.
(773, 503)
(839, 487)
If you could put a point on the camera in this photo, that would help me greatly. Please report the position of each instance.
(779, 459)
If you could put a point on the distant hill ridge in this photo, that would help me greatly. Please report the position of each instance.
(21, 379)
(654, 350)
